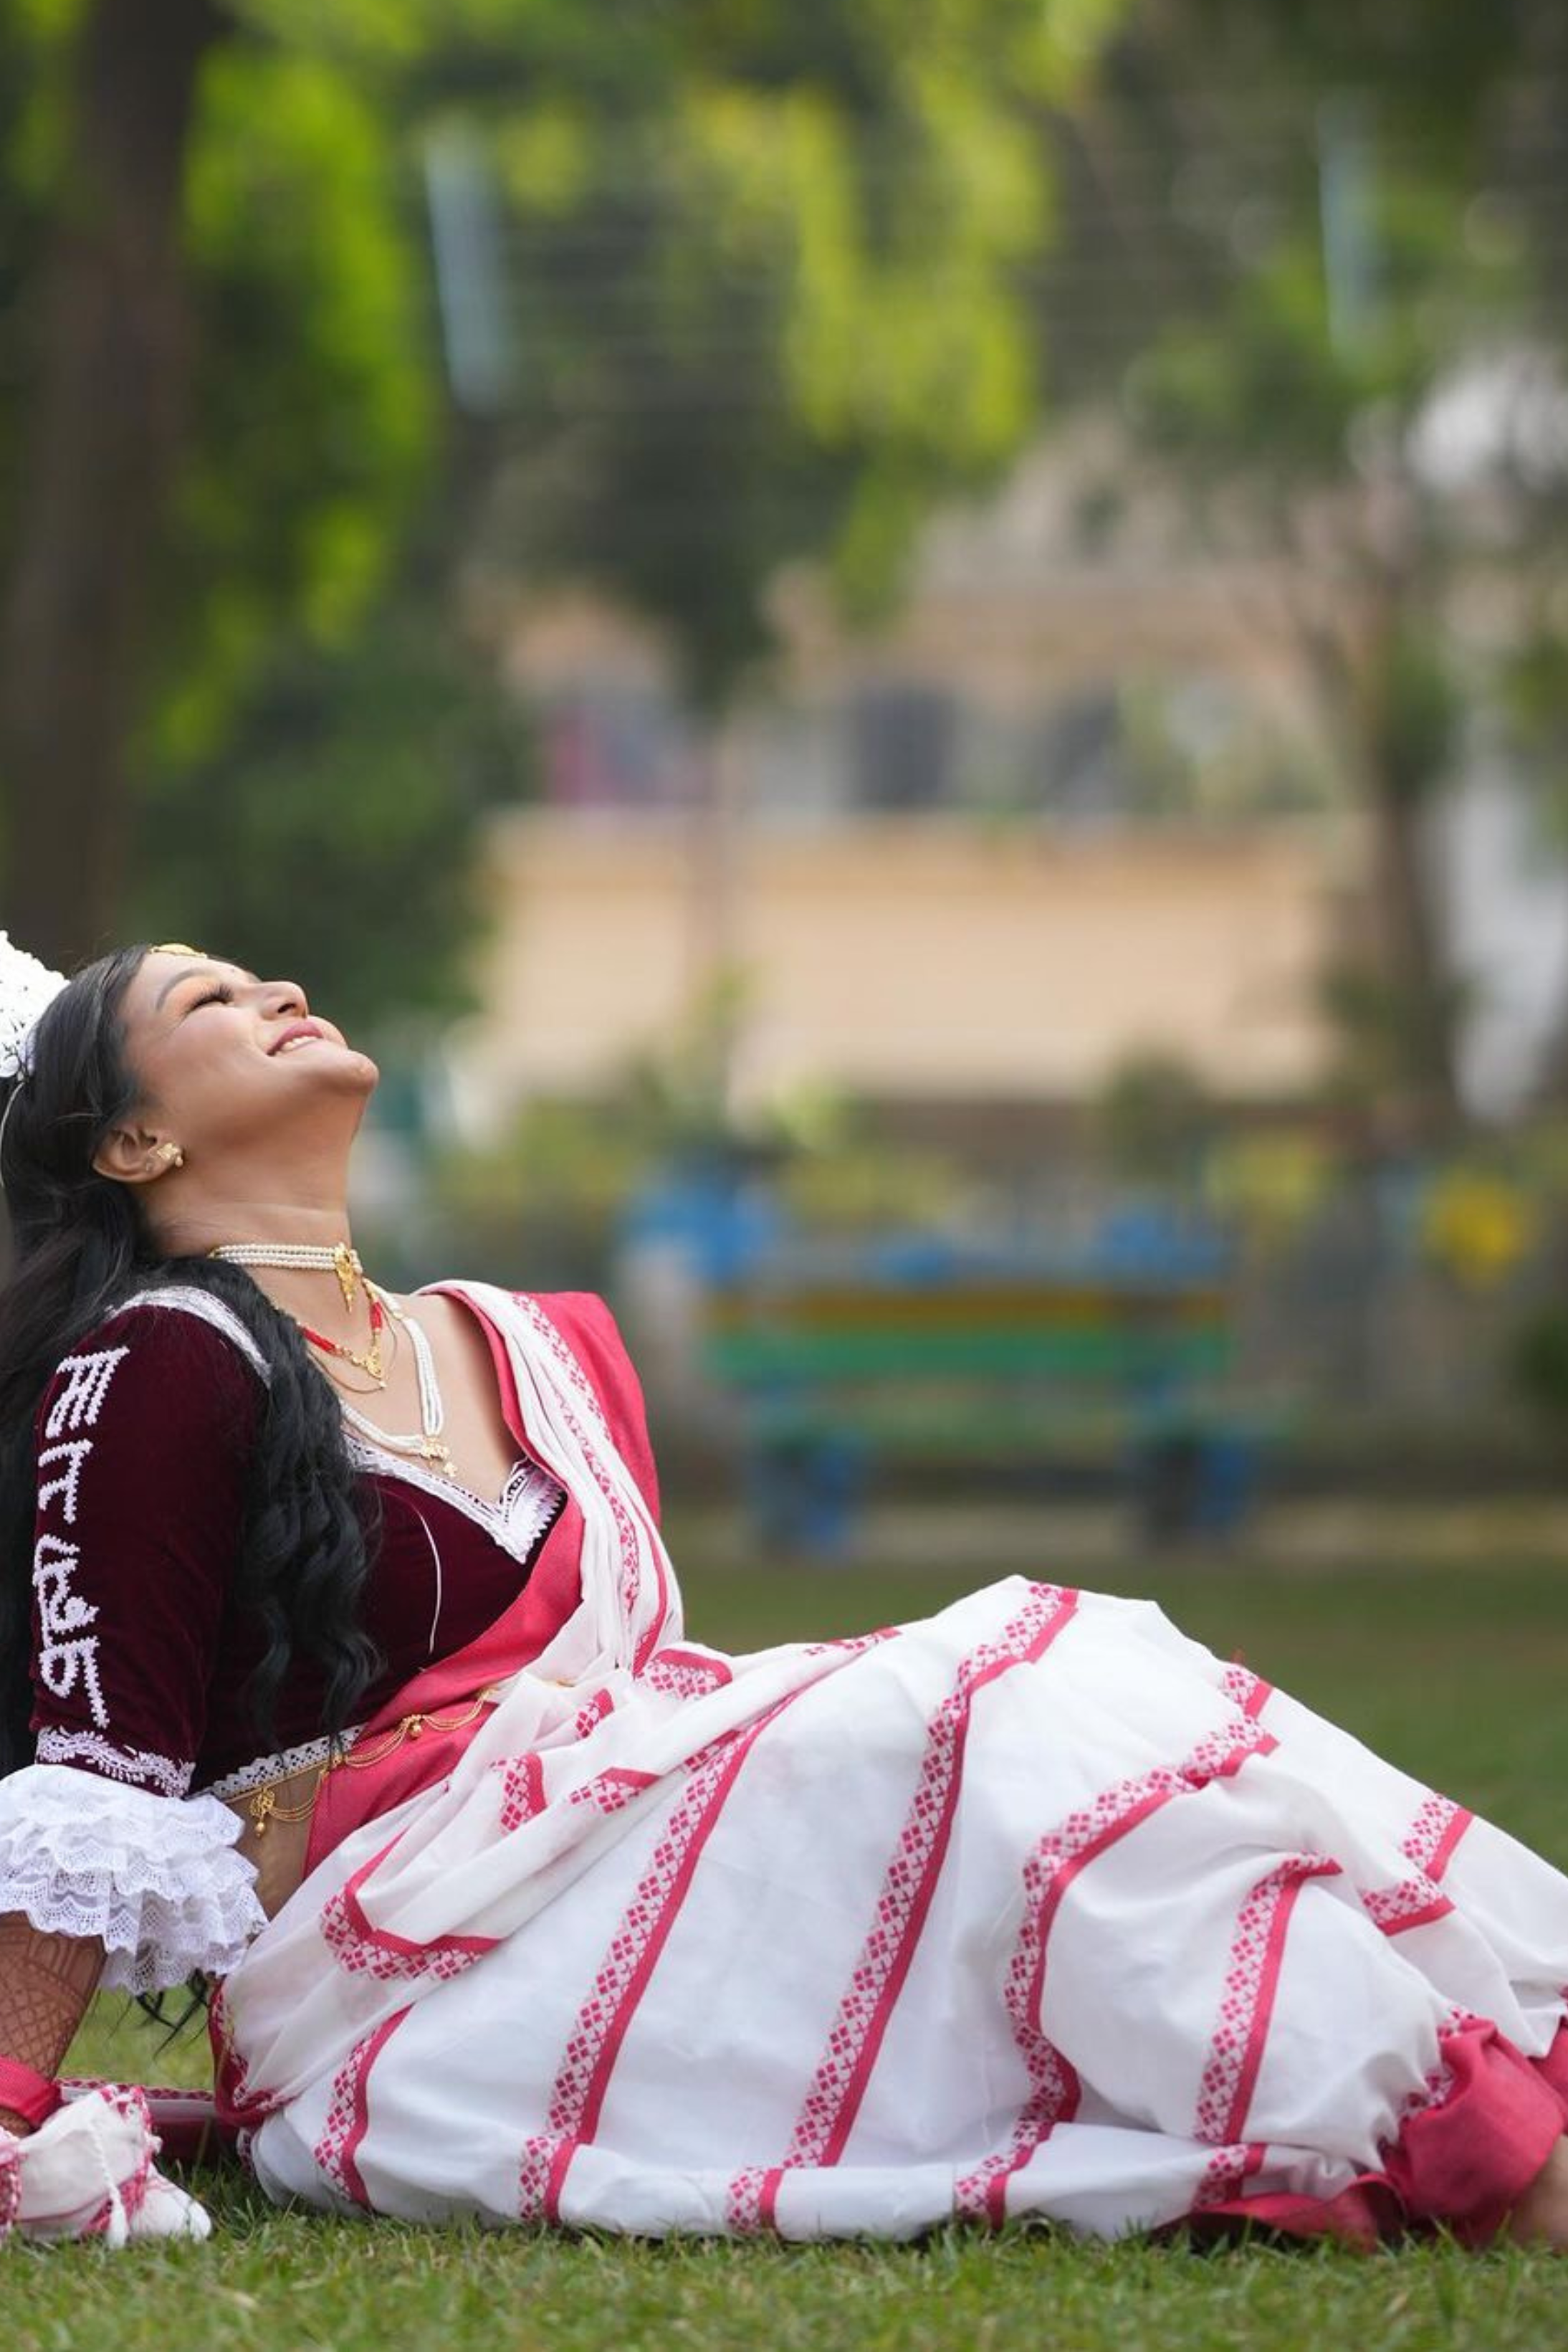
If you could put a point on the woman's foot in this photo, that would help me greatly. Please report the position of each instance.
(1541, 2216)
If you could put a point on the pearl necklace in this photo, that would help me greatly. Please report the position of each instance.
(312, 1257)
(426, 1441)
(342, 1259)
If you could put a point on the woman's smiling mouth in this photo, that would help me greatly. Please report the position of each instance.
(298, 1033)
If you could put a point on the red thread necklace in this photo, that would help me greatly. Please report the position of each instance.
(364, 1359)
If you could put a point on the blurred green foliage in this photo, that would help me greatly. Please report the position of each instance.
(1358, 210)
(760, 268)
(334, 839)
(1155, 1115)
(315, 409)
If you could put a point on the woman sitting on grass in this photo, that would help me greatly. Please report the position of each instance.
(341, 1661)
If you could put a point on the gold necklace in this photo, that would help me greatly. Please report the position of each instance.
(306, 1257)
(364, 1359)
(319, 1257)
(426, 1441)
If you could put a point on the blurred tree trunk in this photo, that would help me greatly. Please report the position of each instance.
(1421, 989)
(1404, 729)
(111, 347)
(1383, 686)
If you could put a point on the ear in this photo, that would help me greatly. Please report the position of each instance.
(130, 1155)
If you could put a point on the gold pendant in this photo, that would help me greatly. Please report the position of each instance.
(372, 1361)
(346, 1266)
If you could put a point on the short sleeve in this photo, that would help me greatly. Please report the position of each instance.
(143, 1437)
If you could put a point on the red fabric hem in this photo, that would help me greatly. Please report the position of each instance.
(1462, 2165)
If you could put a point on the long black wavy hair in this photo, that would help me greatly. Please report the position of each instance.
(79, 1247)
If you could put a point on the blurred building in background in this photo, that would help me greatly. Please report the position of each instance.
(1065, 809)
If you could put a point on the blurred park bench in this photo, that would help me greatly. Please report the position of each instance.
(842, 1367)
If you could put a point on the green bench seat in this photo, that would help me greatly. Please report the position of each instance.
(832, 1377)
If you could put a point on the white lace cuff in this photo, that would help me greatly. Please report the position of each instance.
(156, 1878)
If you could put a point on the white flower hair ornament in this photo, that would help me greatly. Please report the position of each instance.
(26, 989)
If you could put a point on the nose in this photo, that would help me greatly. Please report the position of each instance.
(285, 995)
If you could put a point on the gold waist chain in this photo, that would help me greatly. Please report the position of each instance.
(264, 1807)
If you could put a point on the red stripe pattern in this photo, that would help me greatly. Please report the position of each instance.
(573, 1378)
(1227, 2174)
(601, 2025)
(361, 1948)
(1085, 1835)
(686, 1673)
(522, 1779)
(828, 2115)
(1236, 2052)
(850, 1646)
(1054, 2090)
(348, 2111)
(1438, 2082)
(749, 2206)
(1429, 1844)
(1245, 1689)
(1056, 1862)
(591, 1714)
(1433, 1833)
(610, 1790)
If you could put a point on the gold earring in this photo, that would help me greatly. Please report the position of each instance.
(170, 1155)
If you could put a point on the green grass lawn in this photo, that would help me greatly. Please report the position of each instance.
(1456, 1672)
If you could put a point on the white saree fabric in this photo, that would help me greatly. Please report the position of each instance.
(1032, 1907)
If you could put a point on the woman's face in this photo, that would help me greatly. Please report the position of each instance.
(222, 1056)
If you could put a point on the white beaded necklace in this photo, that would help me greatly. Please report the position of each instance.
(339, 1258)
(426, 1441)
(342, 1259)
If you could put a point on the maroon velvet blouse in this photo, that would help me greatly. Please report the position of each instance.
(142, 1646)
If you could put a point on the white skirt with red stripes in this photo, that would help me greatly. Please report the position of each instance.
(1032, 1909)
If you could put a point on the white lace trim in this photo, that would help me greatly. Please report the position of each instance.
(516, 1520)
(281, 1767)
(168, 1775)
(189, 1301)
(156, 1878)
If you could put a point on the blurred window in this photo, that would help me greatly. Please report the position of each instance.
(799, 763)
(1075, 766)
(904, 739)
(617, 747)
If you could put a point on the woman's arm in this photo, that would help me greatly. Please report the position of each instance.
(107, 1869)
(45, 1984)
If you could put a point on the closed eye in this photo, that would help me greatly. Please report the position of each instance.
(222, 994)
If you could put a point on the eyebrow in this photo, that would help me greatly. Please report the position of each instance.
(193, 971)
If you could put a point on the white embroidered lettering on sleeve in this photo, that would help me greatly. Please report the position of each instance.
(84, 1385)
(73, 1451)
(66, 1650)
